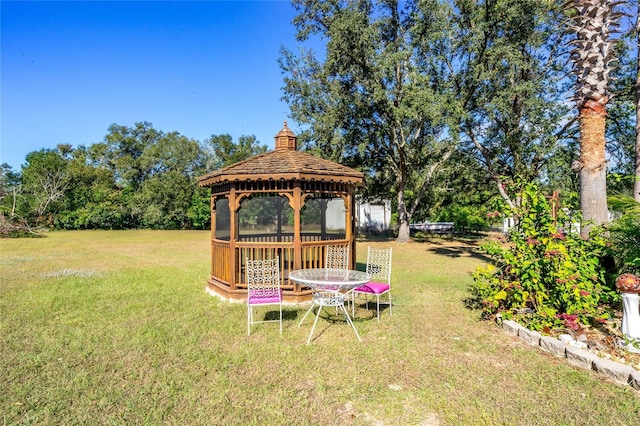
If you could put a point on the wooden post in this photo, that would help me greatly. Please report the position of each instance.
(233, 234)
(297, 237)
(212, 253)
(350, 221)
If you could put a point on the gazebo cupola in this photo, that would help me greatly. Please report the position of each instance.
(286, 139)
(282, 203)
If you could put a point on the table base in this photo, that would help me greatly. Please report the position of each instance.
(323, 299)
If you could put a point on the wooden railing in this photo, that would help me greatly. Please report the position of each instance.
(220, 261)
(312, 256)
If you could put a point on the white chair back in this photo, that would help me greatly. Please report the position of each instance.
(263, 278)
(337, 257)
(379, 264)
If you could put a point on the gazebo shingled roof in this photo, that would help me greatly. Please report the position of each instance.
(285, 162)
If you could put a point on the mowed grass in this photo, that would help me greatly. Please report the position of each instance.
(114, 327)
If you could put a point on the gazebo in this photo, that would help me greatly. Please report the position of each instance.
(282, 203)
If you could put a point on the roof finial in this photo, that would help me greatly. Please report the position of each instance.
(286, 139)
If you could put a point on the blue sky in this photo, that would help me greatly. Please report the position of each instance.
(71, 69)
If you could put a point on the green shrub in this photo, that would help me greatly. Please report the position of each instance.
(544, 277)
(625, 234)
(466, 218)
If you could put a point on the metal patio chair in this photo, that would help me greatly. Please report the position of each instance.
(379, 267)
(337, 257)
(263, 288)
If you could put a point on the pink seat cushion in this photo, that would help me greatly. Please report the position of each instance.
(256, 299)
(373, 288)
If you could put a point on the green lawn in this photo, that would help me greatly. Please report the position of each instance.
(114, 327)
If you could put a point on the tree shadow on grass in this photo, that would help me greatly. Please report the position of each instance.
(456, 252)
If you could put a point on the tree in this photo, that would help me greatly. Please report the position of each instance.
(155, 172)
(45, 179)
(505, 63)
(136, 177)
(592, 22)
(155, 175)
(372, 102)
(222, 151)
(10, 190)
(92, 200)
(169, 166)
(625, 234)
(403, 86)
(621, 117)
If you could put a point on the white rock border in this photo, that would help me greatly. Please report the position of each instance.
(618, 372)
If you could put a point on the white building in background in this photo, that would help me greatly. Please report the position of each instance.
(335, 214)
(508, 223)
(373, 216)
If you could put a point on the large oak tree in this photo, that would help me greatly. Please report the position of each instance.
(401, 85)
(368, 100)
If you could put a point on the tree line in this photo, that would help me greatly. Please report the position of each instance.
(441, 103)
(137, 177)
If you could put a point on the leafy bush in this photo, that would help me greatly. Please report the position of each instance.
(545, 277)
(466, 218)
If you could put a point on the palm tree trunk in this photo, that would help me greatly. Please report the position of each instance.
(593, 21)
(593, 174)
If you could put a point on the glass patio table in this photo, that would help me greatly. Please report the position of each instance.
(331, 288)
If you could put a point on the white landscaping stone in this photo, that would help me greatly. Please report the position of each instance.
(565, 338)
(577, 344)
(621, 373)
(531, 337)
(634, 380)
(576, 354)
(511, 327)
(553, 346)
(580, 358)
